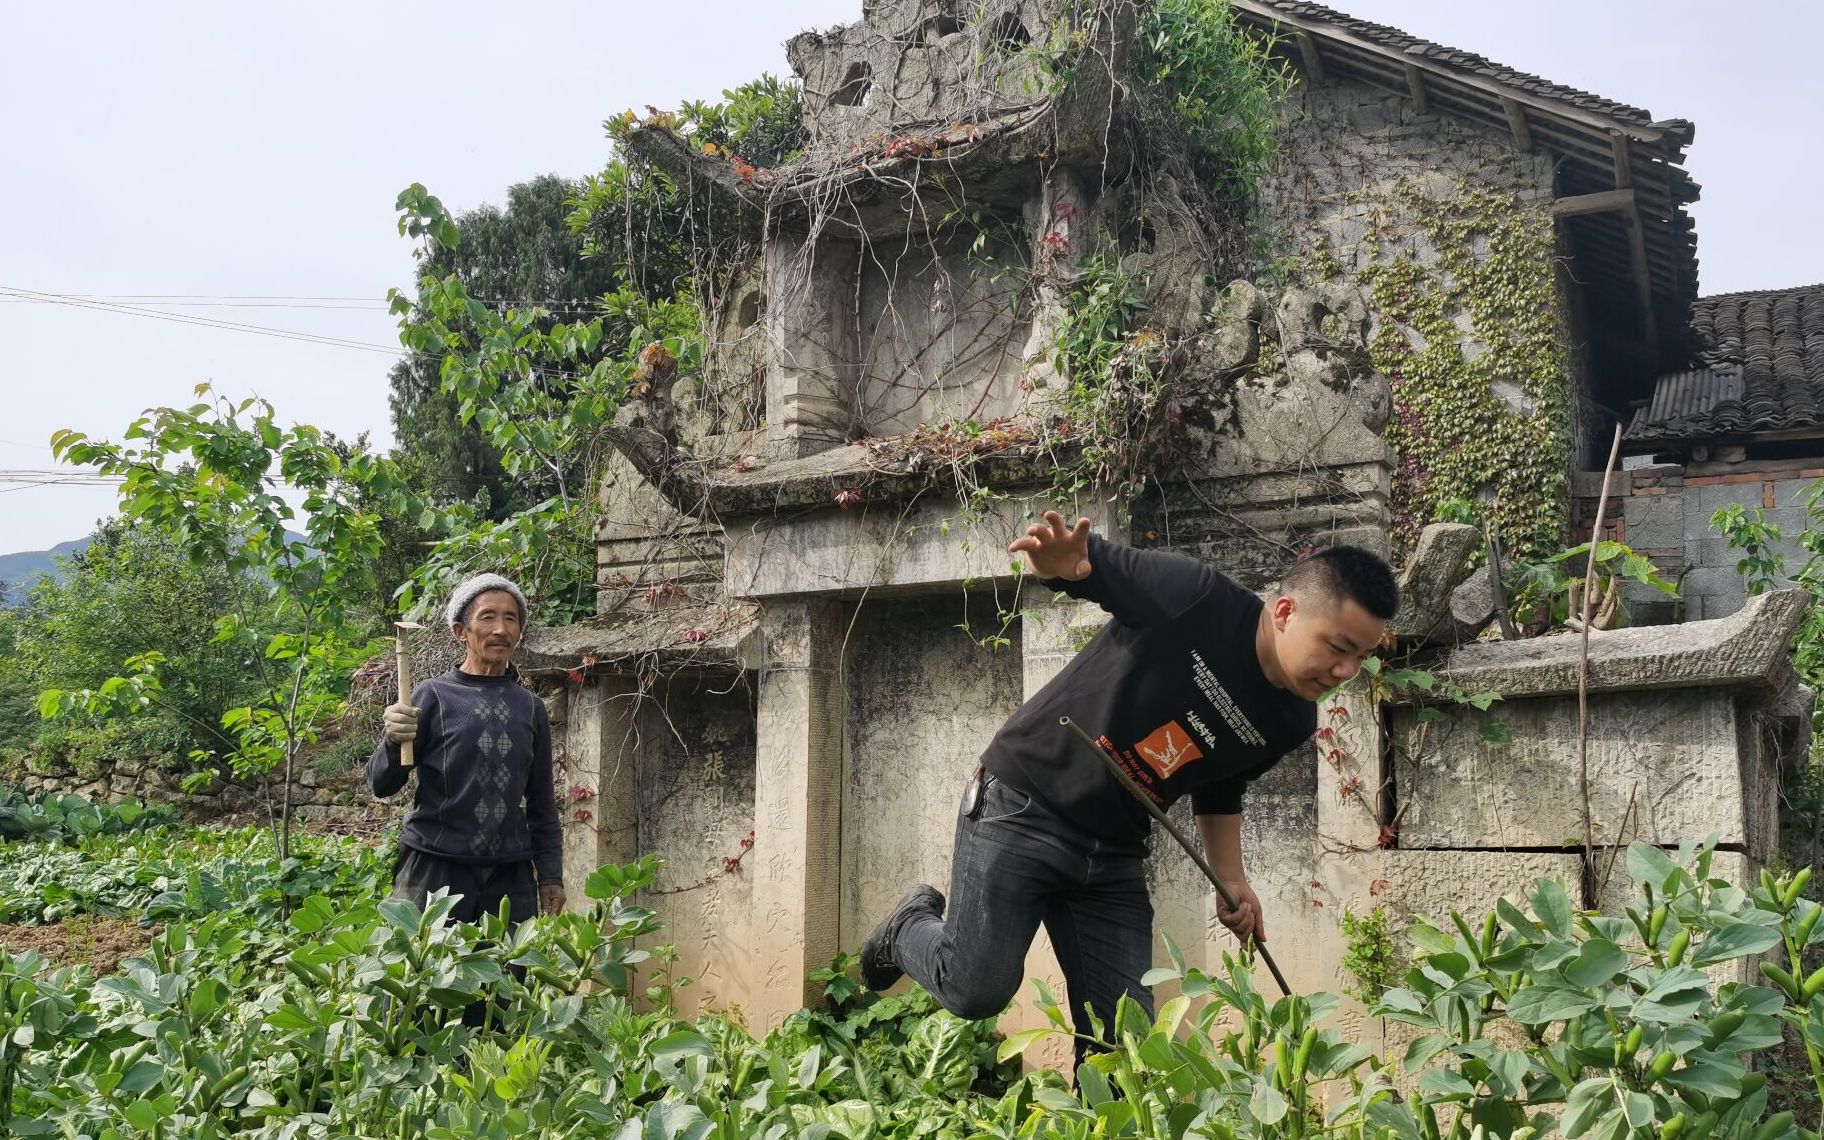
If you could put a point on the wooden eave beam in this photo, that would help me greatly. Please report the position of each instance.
(1272, 18)
(1516, 122)
(1624, 159)
(1307, 54)
(1601, 202)
(1643, 276)
(1415, 84)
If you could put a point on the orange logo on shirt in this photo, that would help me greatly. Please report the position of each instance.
(1168, 749)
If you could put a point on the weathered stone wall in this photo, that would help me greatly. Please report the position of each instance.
(1446, 233)
(923, 700)
(1664, 511)
(341, 797)
(1346, 147)
(940, 339)
(695, 781)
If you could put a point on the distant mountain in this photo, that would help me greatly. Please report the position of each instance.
(19, 571)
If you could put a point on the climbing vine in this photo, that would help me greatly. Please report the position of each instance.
(1484, 416)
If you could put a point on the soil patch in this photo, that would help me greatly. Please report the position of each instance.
(101, 943)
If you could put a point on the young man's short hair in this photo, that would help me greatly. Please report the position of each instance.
(1340, 572)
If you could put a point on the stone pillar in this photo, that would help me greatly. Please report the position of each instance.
(797, 803)
(1058, 246)
(598, 753)
(811, 327)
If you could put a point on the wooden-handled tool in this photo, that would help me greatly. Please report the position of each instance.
(403, 663)
(1152, 809)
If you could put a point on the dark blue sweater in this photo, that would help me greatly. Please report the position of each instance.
(485, 792)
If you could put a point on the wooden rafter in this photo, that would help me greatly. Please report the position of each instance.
(1516, 122)
(1643, 278)
(1307, 53)
(1624, 160)
(1601, 202)
(1415, 83)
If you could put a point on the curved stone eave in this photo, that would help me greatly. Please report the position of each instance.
(824, 479)
(694, 635)
(1748, 649)
(998, 160)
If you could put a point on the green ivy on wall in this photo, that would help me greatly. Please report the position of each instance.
(1488, 425)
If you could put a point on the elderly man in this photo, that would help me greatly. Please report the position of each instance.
(484, 821)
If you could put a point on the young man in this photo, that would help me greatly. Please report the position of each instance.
(484, 822)
(1196, 687)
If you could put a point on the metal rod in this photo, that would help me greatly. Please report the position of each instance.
(1152, 809)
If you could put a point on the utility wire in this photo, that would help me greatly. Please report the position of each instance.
(289, 301)
(206, 322)
(78, 301)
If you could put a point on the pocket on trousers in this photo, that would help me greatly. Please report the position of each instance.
(1001, 802)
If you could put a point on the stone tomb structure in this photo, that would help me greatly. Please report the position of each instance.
(809, 626)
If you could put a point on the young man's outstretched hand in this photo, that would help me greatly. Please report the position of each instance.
(1053, 550)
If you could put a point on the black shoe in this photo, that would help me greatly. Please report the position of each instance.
(878, 970)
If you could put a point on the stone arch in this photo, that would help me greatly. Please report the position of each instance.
(1008, 33)
(857, 84)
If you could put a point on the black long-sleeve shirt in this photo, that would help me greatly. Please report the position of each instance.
(485, 792)
(1172, 687)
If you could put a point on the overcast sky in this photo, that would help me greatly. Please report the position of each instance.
(237, 151)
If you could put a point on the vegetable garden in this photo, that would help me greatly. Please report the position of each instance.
(291, 998)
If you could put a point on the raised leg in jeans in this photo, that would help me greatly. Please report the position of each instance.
(1016, 865)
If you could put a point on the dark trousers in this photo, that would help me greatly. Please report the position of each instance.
(481, 885)
(1017, 865)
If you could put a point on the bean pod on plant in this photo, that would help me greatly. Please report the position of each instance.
(1626, 1047)
(1810, 987)
(1791, 894)
(1681, 942)
(1801, 934)
(1723, 1025)
(1784, 980)
(1302, 1058)
(1776, 1125)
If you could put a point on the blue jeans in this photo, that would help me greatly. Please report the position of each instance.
(1016, 865)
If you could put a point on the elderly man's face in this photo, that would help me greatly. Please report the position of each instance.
(491, 630)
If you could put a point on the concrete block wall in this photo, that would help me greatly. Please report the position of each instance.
(1664, 511)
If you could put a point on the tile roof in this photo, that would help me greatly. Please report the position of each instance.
(1761, 369)
(1469, 62)
(1639, 266)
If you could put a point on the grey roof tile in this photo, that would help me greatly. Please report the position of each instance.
(1761, 369)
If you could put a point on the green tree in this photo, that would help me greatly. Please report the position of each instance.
(520, 257)
(133, 591)
(535, 382)
(213, 476)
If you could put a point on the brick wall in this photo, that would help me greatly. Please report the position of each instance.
(1663, 511)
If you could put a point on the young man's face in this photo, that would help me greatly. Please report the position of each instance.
(1320, 642)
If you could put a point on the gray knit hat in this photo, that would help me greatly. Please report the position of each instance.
(474, 588)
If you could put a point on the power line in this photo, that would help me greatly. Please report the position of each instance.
(205, 322)
(330, 306)
(79, 302)
(289, 301)
(26, 479)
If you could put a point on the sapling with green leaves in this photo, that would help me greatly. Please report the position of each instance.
(220, 477)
